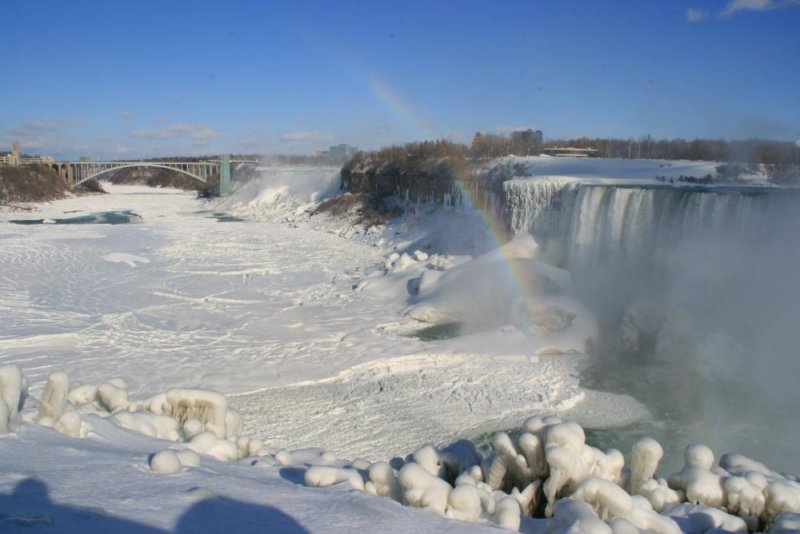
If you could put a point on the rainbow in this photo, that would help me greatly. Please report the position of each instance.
(470, 196)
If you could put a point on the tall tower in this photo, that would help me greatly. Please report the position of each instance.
(15, 157)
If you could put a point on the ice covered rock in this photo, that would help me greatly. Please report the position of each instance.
(424, 490)
(13, 389)
(156, 426)
(698, 518)
(165, 462)
(209, 407)
(112, 397)
(249, 447)
(572, 515)
(429, 458)
(383, 482)
(743, 497)
(192, 427)
(283, 457)
(69, 424)
(606, 498)
(781, 496)
(505, 467)
(464, 504)
(420, 255)
(696, 480)
(321, 476)
(741, 465)
(54, 398)
(549, 319)
(80, 395)
(188, 458)
(5, 416)
(659, 494)
(508, 514)
(220, 448)
(645, 456)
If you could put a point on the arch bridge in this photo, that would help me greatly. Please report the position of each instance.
(78, 172)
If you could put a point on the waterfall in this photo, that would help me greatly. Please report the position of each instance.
(696, 292)
(633, 224)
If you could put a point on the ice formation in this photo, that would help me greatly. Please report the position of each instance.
(548, 471)
(201, 418)
(13, 389)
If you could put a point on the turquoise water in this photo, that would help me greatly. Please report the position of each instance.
(104, 217)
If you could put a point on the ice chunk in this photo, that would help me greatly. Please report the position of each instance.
(54, 398)
(112, 397)
(464, 503)
(321, 476)
(424, 490)
(5, 416)
(81, 395)
(384, 482)
(645, 456)
(165, 462)
(13, 389)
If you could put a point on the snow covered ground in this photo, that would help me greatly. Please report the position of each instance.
(304, 323)
(292, 318)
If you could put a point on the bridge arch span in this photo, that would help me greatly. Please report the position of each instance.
(143, 164)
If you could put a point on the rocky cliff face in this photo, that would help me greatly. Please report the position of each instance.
(440, 180)
(30, 183)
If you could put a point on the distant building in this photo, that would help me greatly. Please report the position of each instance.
(527, 142)
(15, 157)
(342, 152)
(571, 152)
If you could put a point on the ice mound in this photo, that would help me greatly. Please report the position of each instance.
(549, 473)
(508, 285)
(199, 418)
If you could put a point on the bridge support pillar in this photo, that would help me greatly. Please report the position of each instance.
(225, 174)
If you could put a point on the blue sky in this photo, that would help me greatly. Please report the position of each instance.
(142, 78)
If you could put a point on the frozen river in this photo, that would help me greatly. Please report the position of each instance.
(295, 322)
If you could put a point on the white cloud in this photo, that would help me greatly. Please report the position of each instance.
(199, 133)
(36, 126)
(305, 137)
(734, 6)
(126, 114)
(37, 136)
(694, 14)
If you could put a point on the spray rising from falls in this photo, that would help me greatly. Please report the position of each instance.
(697, 294)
